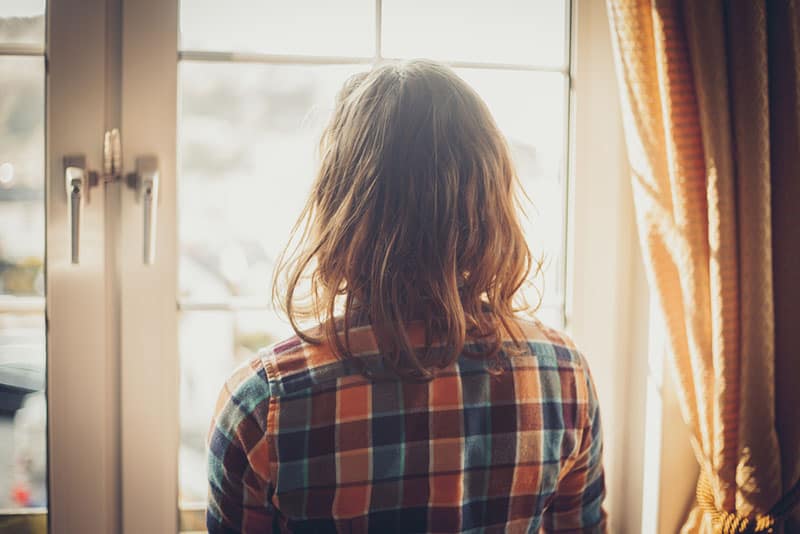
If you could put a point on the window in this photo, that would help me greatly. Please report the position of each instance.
(23, 458)
(252, 85)
(257, 82)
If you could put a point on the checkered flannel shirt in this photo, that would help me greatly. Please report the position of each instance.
(305, 442)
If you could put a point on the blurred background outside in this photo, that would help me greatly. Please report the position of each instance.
(22, 285)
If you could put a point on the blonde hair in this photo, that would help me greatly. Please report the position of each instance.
(413, 216)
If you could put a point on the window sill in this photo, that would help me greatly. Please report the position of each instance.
(24, 520)
(192, 518)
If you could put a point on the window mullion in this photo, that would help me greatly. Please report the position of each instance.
(378, 31)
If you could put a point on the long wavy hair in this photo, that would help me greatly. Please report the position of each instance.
(413, 217)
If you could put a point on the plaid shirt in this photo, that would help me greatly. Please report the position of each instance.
(304, 442)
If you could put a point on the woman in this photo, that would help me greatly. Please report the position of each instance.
(419, 401)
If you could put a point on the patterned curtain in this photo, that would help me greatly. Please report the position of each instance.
(712, 113)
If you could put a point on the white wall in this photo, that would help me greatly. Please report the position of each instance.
(608, 291)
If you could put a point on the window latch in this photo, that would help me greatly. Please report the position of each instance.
(79, 180)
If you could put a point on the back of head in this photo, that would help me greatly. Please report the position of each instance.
(413, 217)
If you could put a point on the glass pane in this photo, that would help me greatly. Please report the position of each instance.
(341, 28)
(504, 31)
(22, 22)
(23, 413)
(529, 107)
(212, 344)
(248, 137)
(22, 326)
(22, 176)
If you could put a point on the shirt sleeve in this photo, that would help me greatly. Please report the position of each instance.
(239, 490)
(577, 506)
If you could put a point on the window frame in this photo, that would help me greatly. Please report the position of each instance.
(604, 269)
(81, 370)
(82, 427)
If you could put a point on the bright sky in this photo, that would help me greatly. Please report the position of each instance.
(21, 8)
(502, 31)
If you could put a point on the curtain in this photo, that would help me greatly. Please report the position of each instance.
(711, 109)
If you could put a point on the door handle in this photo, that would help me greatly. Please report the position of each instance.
(148, 183)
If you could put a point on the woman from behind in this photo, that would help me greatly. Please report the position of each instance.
(417, 399)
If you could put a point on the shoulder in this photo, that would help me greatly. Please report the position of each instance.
(243, 400)
(249, 380)
(558, 356)
(236, 440)
(546, 340)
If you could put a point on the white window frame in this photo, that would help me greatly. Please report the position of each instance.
(605, 283)
(148, 316)
(82, 372)
(81, 329)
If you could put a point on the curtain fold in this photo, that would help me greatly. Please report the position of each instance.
(712, 112)
(738, 88)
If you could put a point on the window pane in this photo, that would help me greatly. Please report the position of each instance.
(503, 31)
(341, 28)
(22, 22)
(23, 413)
(212, 345)
(232, 228)
(529, 108)
(248, 137)
(22, 176)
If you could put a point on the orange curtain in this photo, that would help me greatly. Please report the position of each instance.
(712, 111)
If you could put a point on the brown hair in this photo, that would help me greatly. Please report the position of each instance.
(413, 216)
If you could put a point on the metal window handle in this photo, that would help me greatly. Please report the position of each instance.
(77, 182)
(74, 179)
(148, 183)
